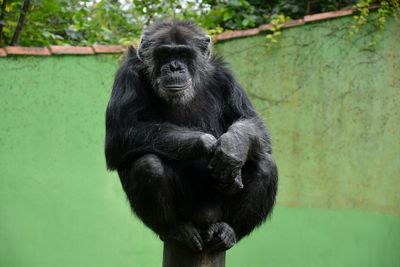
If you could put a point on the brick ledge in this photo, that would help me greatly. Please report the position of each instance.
(112, 49)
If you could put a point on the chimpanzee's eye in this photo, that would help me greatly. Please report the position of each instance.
(185, 54)
(164, 54)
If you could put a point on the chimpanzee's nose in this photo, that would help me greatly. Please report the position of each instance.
(175, 66)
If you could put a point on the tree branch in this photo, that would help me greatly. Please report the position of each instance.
(2, 22)
(18, 29)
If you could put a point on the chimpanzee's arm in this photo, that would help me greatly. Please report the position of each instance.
(246, 139)
(163, 139)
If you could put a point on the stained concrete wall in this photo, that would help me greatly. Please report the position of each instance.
(331, 104)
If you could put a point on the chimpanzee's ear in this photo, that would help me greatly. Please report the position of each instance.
(139, 50)
(204, 42)
(143, 47)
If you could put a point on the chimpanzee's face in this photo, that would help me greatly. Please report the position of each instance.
(175, 58)
(175, 70)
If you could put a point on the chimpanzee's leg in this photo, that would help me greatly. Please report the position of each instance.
(249, 207)
(152, 188)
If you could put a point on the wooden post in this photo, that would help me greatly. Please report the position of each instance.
(176, 255)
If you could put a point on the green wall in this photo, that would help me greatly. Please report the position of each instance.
(331, 104)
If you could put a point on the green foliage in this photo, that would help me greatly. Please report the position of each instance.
(275, 32)
(235, 14)
(78, 22)
(387, 8)
(73, 22)
(86, 22)
(12, 9)
(362, 8)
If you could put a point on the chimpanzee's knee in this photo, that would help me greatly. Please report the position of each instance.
(149, 168)
(151, 192)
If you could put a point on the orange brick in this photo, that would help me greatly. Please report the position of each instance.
(27, 51)
(250, 32)
(293, 23)
(328, 15)
(237, 34)
(108, 49)
(226, 35)
(3, 52)
(265, 27)
(71, 50)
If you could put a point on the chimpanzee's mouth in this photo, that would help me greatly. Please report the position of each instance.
(176, 87)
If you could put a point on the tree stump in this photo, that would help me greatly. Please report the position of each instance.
(176, 255)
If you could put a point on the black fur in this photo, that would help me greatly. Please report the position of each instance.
(196, 167)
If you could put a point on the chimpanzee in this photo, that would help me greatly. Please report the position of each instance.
(193, 156)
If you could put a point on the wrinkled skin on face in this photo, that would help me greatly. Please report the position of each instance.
(175, 62)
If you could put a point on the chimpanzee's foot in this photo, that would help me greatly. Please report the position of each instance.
(186, 234)
(220, 237)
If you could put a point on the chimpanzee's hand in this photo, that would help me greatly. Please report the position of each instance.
(219, 236)
(225, 165)
(207, 144)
